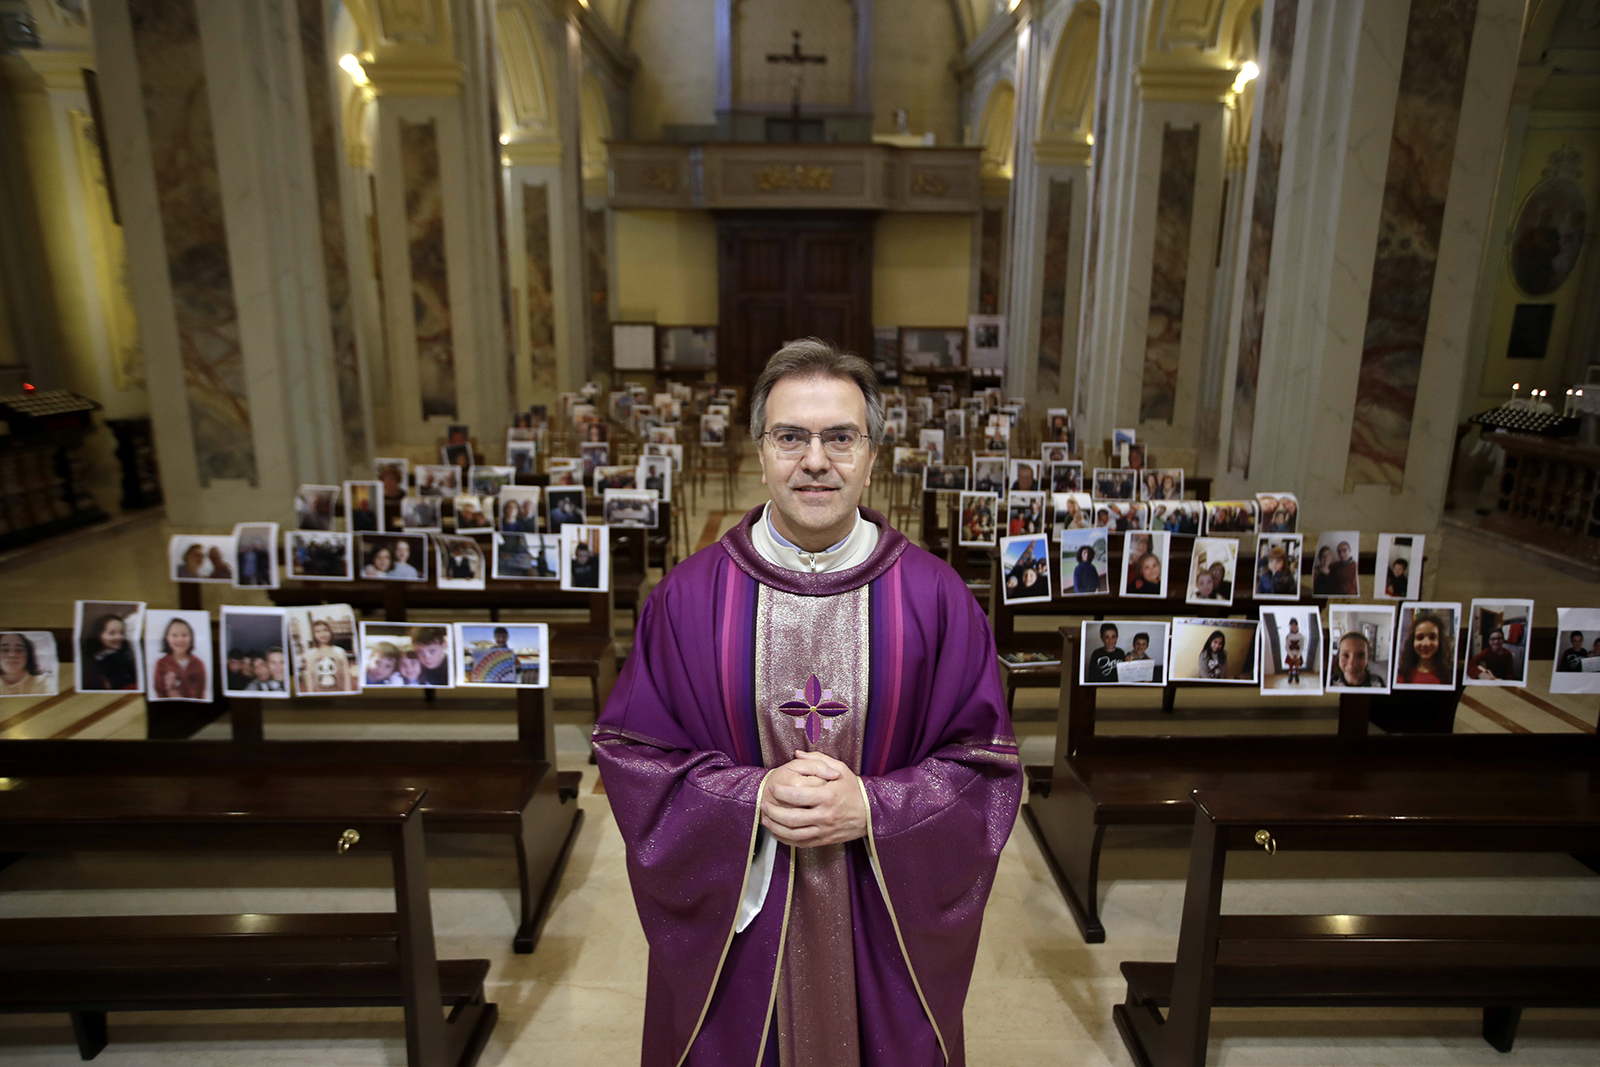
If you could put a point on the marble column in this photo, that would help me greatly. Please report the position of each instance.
(1160, 164)
(436, 167)
(1398, 117)
(211, 141)
(1025, 211)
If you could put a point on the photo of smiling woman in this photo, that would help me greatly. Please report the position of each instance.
(1425, 646)
(107, 635)
(28, 664)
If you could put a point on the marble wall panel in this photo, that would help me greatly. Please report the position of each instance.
(991, 252)
(1169, 273)
(541, 298)
(325, 150)
(430, 275)
(1273, 101)
(599, 278)
(1053, 301)
(172, 76)
(1086, 318)
(1421, 153)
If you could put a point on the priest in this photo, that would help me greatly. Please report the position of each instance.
(810, 762)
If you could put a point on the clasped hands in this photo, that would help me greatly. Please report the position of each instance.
(813, 800)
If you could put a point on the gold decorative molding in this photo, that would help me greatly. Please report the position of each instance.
(51, 70)
(1186, 24)
(1063, 153)
(769, 179)
(531, 153)
(398, 77)
(1194, 85)
(875, 177)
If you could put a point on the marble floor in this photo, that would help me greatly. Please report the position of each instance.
(1039, 994)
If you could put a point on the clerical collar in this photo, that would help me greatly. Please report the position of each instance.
(784, 542)
(852, 551)
(870, 550)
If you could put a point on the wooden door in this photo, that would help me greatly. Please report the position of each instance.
(785, 276)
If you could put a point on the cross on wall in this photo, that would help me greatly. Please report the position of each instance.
(797, 59)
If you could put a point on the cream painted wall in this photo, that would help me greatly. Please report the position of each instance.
(676, 82)
(921, 269)
(1499, 372)
(666, 267)
(913, 42)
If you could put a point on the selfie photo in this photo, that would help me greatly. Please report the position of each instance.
(1124, 652)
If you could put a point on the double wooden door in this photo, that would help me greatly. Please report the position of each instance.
(788, 275)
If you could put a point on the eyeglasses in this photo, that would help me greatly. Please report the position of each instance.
(792, 441)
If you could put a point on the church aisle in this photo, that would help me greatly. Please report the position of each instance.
(1039, 994)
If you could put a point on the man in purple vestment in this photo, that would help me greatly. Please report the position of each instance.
(810, 762)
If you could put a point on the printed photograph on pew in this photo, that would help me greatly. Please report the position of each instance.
(1425, 648)
(1025, 568)
(1291, 651)
(585, 558)
(322, 647)
(396, 654)
(255, 644)
(1214, 650)
(1360, 643)
(1123, 652)
(1211, 571)
(1497, 642)
(1085, 562)
(201, 557)
(106, 634)
(177, 651)
(460, 562)
(29, 665)
(255, 555)
(1335, 570)
(1577, 666)
(514, 654)
(320, 556)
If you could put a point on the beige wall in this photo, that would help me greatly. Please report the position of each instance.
(676, 82)
(913, 42)
(1499, 373)
(921, 267)
(666, 267)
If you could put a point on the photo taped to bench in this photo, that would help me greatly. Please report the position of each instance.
(1214, 650)
(1123, 652)
(504, 654)
(1577, 665)
(1291, 650)
(322, 646)
(178, 655)
(397, 654)
(1498, 632)
(1426, 651)
(1360, 644)
(255, 648)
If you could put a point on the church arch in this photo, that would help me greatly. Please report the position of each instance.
(997, 130)
(595, 121)
(1068, 113)
(526, 96)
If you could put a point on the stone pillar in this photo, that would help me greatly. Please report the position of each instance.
(1399, 117)
(212, 143)
(1160, 196)
(541, 203)
(1025, 211)
(75, 316)
(435, 162)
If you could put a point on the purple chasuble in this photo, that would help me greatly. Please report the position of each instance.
(862, 952)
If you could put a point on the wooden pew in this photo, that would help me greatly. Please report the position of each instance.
(1501, 963)
(90, 966)
(510, 788)
(1095, 780)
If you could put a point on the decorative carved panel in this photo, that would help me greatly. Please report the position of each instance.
(869, 176)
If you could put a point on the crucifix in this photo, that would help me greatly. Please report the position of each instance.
(797, 59)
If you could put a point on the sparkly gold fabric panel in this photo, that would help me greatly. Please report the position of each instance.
(812, 664)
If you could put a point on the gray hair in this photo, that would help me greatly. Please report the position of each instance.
(810, 357)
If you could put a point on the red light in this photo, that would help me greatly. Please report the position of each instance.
(26, 388)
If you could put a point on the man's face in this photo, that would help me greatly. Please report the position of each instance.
(1344, 551)
(1353, 661)
(815, 494)
(275, 665)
